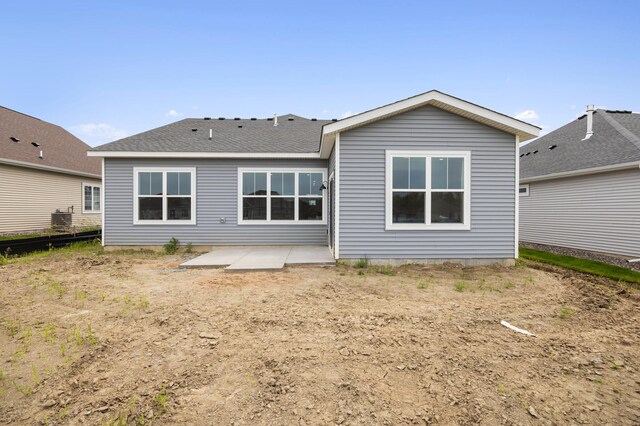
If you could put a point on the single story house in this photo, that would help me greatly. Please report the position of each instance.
(427, 178)
(44, 169)
(580, 185)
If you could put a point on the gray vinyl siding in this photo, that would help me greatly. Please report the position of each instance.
(362, 188)
(599, 212)
(216, 198)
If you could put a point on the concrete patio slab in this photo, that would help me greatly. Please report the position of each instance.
(239, 259)
(217, 258)
(310, 255)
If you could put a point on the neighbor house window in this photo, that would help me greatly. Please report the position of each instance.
(90, 198)
(164, 196)
(428, 190)
(281, 196)
(524, 190)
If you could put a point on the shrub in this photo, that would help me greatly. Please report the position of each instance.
(172, 246)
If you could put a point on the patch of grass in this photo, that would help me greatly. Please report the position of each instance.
(143, 302)
(509, 284)
(189, 248)
(24, 389)
(172, 246)
(582, 265)
(566, 312)
(34, 375)
(361, 273)
(12, 326)
(520, 263)
(161, 399)
(361, 263)
(102, 295)
(460, 286)
(80, 296)
(91, 338)
(49, 333)
(77, 336)
(502, 391)
(422, 284)
(386, 270)
(56, 287)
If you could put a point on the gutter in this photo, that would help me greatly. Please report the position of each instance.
(259, 155)
(582, 172)
(48, 168)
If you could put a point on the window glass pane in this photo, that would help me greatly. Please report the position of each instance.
(304, 184)
(254, 208)
(96, 198)
(447, 207)
(408, 207)
(248, 183)
(276, 183)
(185, 183)
(416, 172)
(288, 184)
(456, 173)
(87, 198)
(439, 173)
(178, 208)
(309, 208)
(172, 183)
(400, 173)
(150, 208)
(156, 183)
(316, 183)
(261, 184)
(144, 183)
(282, 208)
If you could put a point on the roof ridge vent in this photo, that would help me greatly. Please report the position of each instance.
(13, 138)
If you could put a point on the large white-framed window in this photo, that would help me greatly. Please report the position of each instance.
(428, 190)
(279, 196)
(91, 198)
(164, 195)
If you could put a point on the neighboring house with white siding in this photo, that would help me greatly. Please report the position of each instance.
(427, 178)
(44, 168)
(580, 185)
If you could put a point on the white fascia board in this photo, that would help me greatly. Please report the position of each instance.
(48, 168)
(524, 130)
(590, 171)
(146, 154)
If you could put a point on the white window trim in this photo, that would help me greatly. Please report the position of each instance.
(164, 171)
(92, 185)
(464, 226)
(268, 221)
(526, 187)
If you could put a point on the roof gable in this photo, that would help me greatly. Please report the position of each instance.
(523, 130)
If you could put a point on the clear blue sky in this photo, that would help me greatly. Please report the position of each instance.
(105, 69)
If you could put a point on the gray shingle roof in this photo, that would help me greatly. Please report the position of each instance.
(293, 134)
(616, 140)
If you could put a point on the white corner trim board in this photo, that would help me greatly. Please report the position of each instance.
(516, 231)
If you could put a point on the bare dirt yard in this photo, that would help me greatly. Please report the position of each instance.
(88, 337)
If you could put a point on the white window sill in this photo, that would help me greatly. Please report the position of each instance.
(429, 227)
(90, 212)
(282, 222)
(165, 222)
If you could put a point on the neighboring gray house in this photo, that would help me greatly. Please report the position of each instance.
(428, 177)
(580, 185)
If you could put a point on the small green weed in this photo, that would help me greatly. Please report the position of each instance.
(49, 333)
(91, 338)
(80, 296)
(77, 336)
(361, 273)
(422, 284)
(161, 399)
(460, 286)
(34, 375)
(386, 270)
(566, 312)
(143, 303)
(361, 263)
(502, 390)
(189, 248)
(12, 326)
(172, 246)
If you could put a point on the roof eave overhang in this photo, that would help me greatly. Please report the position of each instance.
(167, 154)
(524, 131)
(582, 172)
(48, 168)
